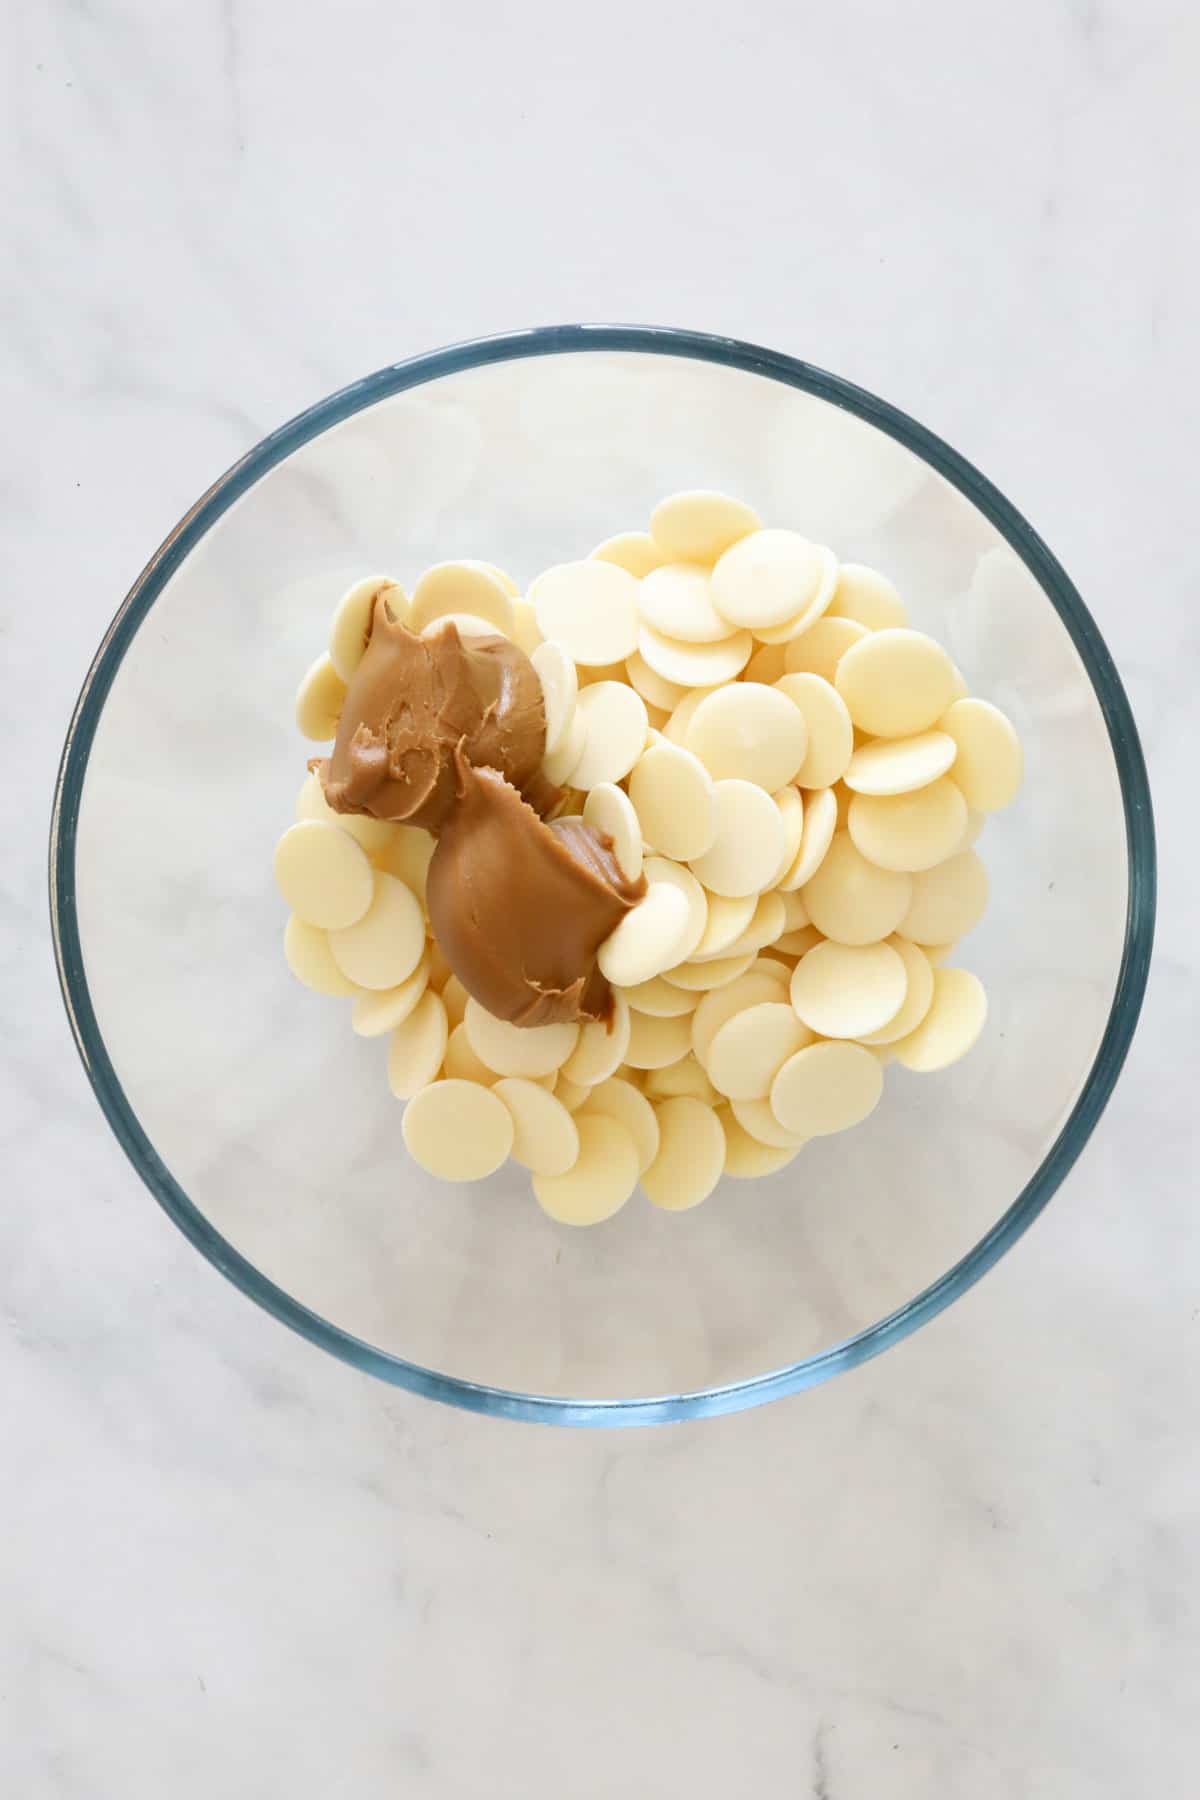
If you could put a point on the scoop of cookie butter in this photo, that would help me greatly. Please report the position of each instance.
(449, 732)
(520, 907)
(413, 701)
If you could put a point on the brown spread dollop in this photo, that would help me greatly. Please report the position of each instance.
(449, 732)
(413, 701)
(520, 907)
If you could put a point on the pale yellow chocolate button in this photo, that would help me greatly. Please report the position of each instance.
(376, 1013)
(634, 551)
(660, 999)
(590, 608)
(746, 1159)
(373, 834)
(525, 633)
(791, 811)
(672, 794)
(461, 587)
(826, 1088)
(677, 601)
(750, 1048)
(384, 946)
(716, 973)
(648, 939)
(352, 620)
(747, 732)
(867, 597)
(684, 1077)
(454, 996)
(853, 901)
(820, 649)
(756, 1117)
(560, 689)
(559, 766)
(601, 1048)
(846, 991)
(896, 683)
(572, 1093)
(457, 1130)
(620, 1100)
(310, 959)
(676, 728)
(662, 870)
(698, 526)
(665, 695)
(909, 831)
(602, 1178)
(614, 718)
(727, 920)
(460, 1062)
(947, 901)
(762, 982)
(918, 994)
(319, 701)
(407, 855)
(937, 954)
(820, 823)
(770, 918)
(767, 664)
(990, 763)
(950, 1027)
(695, 665)
(545, 1136)
(830, 731)
(324, 875)
(803, 621)
(766, 578)
(900, 765)
(517, 1049)
(746, 850)
(608, 809)
(653, 1043)
(691, 1155)
(417, 1048)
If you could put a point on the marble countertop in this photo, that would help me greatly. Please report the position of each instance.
(229, 1565)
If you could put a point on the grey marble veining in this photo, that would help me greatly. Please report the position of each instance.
(229, 1565)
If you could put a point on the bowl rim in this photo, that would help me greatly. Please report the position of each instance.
(1139, 836)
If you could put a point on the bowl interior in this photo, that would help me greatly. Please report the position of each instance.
(275, 1121)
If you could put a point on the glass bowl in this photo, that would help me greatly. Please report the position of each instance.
(265, 1127)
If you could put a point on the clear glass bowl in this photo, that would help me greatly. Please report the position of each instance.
(265, 1128)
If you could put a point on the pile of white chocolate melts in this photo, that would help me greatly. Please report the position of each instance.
(799, 776)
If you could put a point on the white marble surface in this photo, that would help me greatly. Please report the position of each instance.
(229, 1565)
